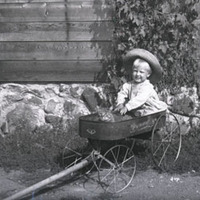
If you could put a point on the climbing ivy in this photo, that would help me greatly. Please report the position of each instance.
(164, 27)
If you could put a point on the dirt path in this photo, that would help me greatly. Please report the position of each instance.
(146, 185)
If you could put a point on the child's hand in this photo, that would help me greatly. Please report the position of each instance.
(119, 107)
(123, 110)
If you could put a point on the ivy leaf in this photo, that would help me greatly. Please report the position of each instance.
(187, 2)
(121, 47)
(170, 59)
(125, 8)
(120, 1)
(182, 19)
(130, 16)
(137, 20)
(163, 48)
(132, 40)
(166, 28)
(165, 7)
(142, 31)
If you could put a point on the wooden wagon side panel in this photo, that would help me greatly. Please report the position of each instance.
(68, 36)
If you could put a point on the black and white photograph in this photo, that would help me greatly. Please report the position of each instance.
(100, 99)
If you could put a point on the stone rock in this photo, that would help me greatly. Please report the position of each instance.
(91, 98)
(13, 87)
(51, 106)
(51, 90)
(184, 105)
(184, 124)
(4, 129)
(24, 118)
(53, 120)
(68, 107)
(35, 101)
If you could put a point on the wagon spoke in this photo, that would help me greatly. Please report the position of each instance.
(114, 181)
(117, 178)
(116, 174)
(106, 182)
(125, 175)
(176, 151)
(163, 155)
(107, 174)
(154, 153)
(125, 161)
(116, 156)
(118, 151)
(175, 129)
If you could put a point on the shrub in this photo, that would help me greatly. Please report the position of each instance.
(165, 28)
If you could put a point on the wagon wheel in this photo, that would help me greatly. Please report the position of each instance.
(72, 156)
(166, 141)
(117, 168)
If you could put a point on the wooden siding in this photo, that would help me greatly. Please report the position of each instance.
(71, 11)
(52, 50)
(54, 71)
(56, 31)
(54, 40)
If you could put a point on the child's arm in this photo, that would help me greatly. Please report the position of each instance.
(122, 97)
(123, 94)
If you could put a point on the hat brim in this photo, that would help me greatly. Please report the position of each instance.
(147, 56)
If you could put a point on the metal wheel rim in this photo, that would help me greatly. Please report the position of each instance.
(115, 177)
(166, 143)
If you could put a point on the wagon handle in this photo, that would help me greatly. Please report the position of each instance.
(108, 161)
(51, 179)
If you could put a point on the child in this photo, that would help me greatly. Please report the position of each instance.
(138, 96)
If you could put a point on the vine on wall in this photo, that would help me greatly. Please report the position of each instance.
(164, 27)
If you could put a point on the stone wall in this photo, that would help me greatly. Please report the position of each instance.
(28, 107)
(38, 121)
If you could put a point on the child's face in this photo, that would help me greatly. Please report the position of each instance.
(141, 73)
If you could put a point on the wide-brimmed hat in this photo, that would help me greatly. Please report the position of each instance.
(133, 54)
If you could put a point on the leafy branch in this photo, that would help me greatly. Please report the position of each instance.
(164, 27)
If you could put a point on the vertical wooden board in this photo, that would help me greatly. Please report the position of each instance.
(56, 31)
(54, 50)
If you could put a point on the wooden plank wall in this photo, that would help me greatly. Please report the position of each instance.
(54, 40)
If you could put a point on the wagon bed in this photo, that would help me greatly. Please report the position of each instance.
(91, 127)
